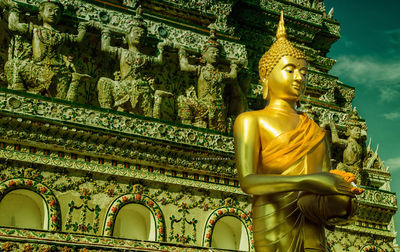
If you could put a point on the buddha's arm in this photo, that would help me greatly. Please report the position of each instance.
(184, 62)
(247, 148)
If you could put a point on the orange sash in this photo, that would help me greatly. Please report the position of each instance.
(287, 148)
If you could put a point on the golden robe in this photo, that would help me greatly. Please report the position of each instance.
(292, 221)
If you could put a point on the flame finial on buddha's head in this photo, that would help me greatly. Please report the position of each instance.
(280, 48)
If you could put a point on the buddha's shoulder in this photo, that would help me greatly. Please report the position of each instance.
(251, 117)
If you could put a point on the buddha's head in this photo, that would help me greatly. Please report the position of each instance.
(50, 11)
(137, 29)
(283, 68)
(211, 50)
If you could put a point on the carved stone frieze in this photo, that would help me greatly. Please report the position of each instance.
(344, 239)
(112, 192)
(118, 122)
(294, 11)
(48, 241)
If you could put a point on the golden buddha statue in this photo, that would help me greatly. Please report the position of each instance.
(283, 160)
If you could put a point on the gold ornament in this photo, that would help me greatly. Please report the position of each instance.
(282, 47)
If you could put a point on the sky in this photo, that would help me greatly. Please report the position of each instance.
(368, 58)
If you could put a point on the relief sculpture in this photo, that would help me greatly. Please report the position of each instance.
(353, 148)
(42, 60)
(35, 62)
(132, 90)
(206, 106)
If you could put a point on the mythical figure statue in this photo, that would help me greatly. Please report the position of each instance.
(46, 71)
(354, 149)
(3, 44)
(206, 106)
(283, 161)
(132, 91)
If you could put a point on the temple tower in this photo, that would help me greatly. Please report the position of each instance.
(155, 169)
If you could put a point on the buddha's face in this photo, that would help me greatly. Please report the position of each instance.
(211, 55)
(50, 13)
(287, 79)
(136, 36)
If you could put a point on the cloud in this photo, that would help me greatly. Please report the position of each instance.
(389, 92)
(393, 164)
(392, 115)
(394, 36)
(366, 70)
(371, 72)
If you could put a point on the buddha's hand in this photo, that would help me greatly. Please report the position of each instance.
(351, 178)
(327, 183)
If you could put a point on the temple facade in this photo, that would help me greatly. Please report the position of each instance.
(116, 123)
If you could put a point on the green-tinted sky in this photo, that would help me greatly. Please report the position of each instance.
(368, 58)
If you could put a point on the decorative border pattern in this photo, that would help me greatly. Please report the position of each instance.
(43, 108)
(379, 198)
(366, 231)
(371, 248)
(76, 242)
(53, 207)
(31, 136)
(313, 17)
(138, 198)
(120, 171)
(228, 211)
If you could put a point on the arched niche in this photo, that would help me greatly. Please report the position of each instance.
(230, 233)
(38, 193)
(131, 206)
(135, 221)
(229, 228)
(23, 208)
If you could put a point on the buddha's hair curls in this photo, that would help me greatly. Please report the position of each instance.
(282, 47)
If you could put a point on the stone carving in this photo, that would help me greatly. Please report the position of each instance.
(354, 149)
(375, 173)
(315, 4)
(83, 225)
(35, 63)
(3, 44)
(308, 109)
(132, 89)
(207, 106)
